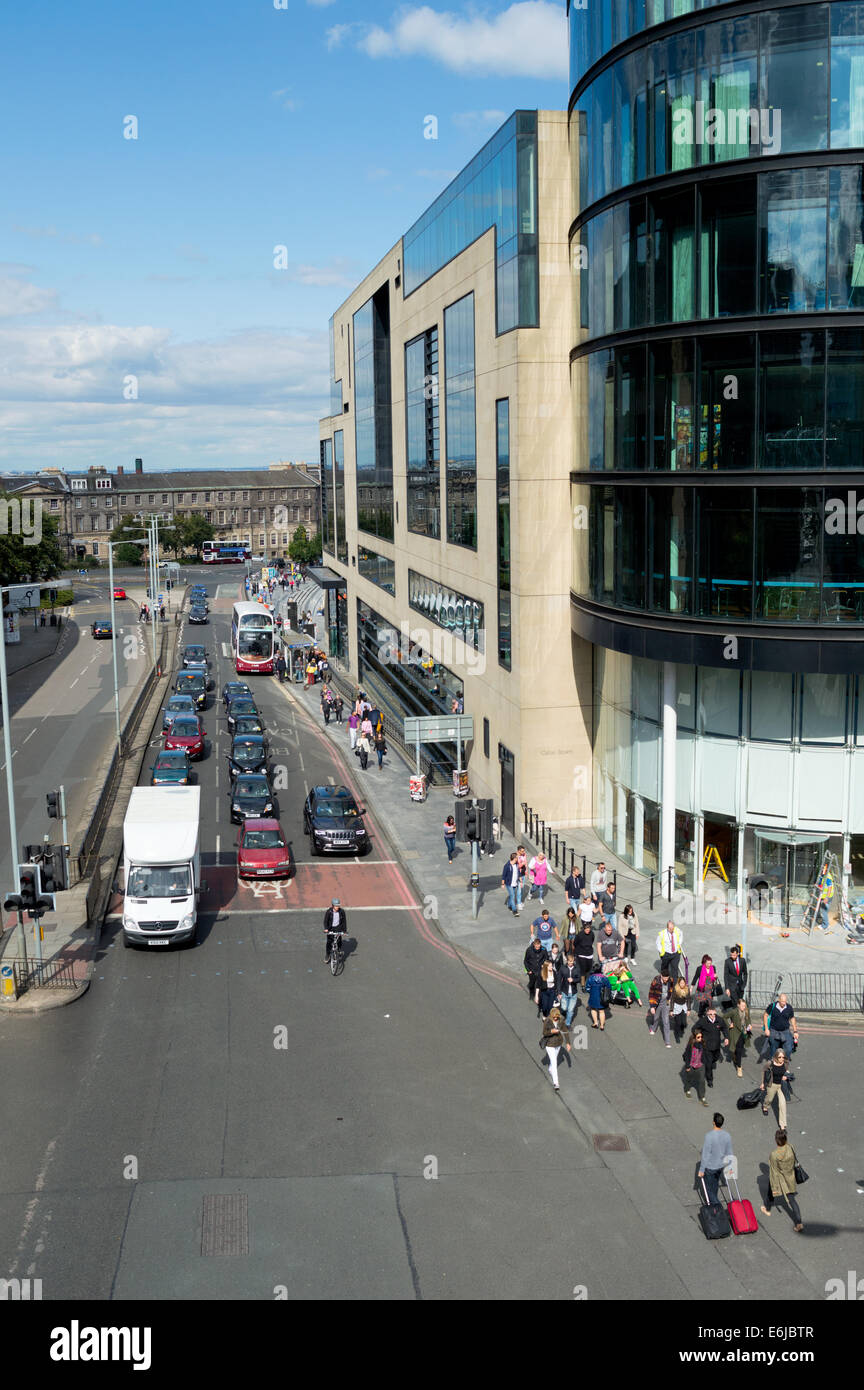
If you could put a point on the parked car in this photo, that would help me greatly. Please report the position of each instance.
(194, 684)
(240, 706)
(248, 754)
(171, 768)
(333, 821)
(262, 850)
(177, 704)
(251, 797)
(101, 627)
(187, 732)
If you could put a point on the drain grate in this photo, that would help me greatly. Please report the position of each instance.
(608, 1143)
(225, 1225)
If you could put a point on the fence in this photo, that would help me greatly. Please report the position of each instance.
(52, 974)
(393, 728)
(814, 993)
(640, 890)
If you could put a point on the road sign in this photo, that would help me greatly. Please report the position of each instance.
(161, 598)
(439, 728)
(24, 595)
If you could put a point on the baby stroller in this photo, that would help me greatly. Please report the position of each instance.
(623, 986)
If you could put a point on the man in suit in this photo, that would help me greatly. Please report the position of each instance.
(735, 974)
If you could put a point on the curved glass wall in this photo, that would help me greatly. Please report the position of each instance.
(782, 82)
(782, 401)
(766, 554)
(785, 242)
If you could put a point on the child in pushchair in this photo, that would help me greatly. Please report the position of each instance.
(623, 986)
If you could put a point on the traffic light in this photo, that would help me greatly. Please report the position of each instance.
(459, 808)
(53, 869)
(484, 819)
(472, 823)
(31, 886)
(53, 800)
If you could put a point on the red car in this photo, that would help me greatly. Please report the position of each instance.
(119, 593)
(187, 732)
(262, 850)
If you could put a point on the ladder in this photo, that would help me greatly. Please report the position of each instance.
(829, 880)
(712, 853)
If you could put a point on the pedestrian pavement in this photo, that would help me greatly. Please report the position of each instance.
(37, 643)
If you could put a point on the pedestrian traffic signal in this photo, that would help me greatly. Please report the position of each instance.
(53, 800)
(484, 819)
(31, 887)
(472, 823)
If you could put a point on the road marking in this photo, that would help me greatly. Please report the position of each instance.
(382, 907)
(84, 672)
(75, 682)
(218, 842)
(29, 736)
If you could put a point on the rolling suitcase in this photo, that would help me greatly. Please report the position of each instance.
(741, 1214)
(713, 1218)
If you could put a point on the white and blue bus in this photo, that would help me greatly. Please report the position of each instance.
(225, 552)
(253, 638)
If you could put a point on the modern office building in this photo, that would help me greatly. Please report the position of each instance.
(718, 389)
(445, 464)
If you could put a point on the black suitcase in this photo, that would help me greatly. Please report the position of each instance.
(749, 1100)
(714, 1218)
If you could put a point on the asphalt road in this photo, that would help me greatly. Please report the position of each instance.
(387, 1134)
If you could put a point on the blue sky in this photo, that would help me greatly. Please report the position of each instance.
(258, 126)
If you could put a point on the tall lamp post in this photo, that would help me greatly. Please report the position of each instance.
(7, 748)
(111, 545)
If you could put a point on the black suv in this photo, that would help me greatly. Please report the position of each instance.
(333, 821)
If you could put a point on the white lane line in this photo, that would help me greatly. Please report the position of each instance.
(14, 755)
(218, 842)
(29, 736)
(384, 907)
(84, 672)
(367, 863)
(302, 764)
(75, 682)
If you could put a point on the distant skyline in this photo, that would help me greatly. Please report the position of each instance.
(141, 312)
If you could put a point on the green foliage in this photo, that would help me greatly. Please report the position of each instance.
(19, 562)
(192, 531)
(128, 554)
(304, 548)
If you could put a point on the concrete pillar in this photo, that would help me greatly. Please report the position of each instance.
(638, 832)
(621, 821)
(608, 808)
(667, 780)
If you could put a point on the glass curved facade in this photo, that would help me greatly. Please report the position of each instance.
(781, 82)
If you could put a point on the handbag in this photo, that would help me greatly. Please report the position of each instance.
(749, 1100)
(801, 1175)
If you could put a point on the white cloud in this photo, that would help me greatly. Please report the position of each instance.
(51, 233)
(19, 297)
(288, 103)
(478, 120)
(529, 39)
(338, 33)
(336, 272)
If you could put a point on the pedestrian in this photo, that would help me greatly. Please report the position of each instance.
(571, 930)
(740, 1031)
(311, 670)
(715, 1150)
(782, 1184)
(585, 950)
(735, 974)
(716, 1036)
(775, 1073)
(338, 705)
(511, 880)
(574, 887)
(546, 928)
(670, 945)
(41, 617)
(608, 906)
(555, 1034)
(706, 984)
(630, 930)
(162, 612)
(538, 875)
(598, 882)
(778, 1022)
(450, 837)
(694, 1061)
(353, 726)
(522, 860)
(680, 1007)
(326, 704)
(362, 750)
(533, 960)
(623, 985)
(569, 976)
(659, 1000)
(280, 667)
(548, 987)
(599, 994)
(610, 947)
(366, 730)
(380, 747)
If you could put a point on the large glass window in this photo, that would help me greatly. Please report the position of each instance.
(670, 563)
(847, 75)
(372, 416)
(823, 708)
(846, 238)
(793, 221)
(448, 609)
(792, 388)
(727, 403)
(422, 435)
(719, 701)
(728, 87)
(844, 435)
(379, 569)
(673, 415)
(629, 547)
(460, 423)
(728, 249)
(339, 494)
(674, 279)
(629, 415)
(788, 554)
(771, 704)
(502, 474)
(327, 528)
(843, 565)
(601, 411)
(725, 553)
(794, 75)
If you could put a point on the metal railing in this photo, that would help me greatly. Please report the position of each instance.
(808, 992)
(393, 729)
(640, 889)
(52, 974)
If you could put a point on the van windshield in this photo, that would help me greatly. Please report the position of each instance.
(159, 881)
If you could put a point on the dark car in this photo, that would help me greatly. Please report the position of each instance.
(240, 706)
(333, 821)
(170, 769)
(102, 628)
(191, 683)
(232, 689)
(198, 591)
(195, 655)
(262, 850)
(177, 704)
(248, 754)
(198, 614)
(248, 724)
(251, 797)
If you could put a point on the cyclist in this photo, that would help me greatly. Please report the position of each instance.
(335, 923)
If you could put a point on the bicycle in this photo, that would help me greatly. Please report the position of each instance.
(337, 955)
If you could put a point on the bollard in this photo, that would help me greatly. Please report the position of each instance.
(572, 859)
(584, 869)
(555, 859)
(651, 894)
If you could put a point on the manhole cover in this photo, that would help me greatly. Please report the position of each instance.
(225, 1225)
(604, 1143)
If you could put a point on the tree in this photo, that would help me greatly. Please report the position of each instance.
(20, 562)
(194, 531)
(304, 548)
(128, 554)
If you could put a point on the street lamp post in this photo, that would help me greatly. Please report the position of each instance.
(111, 545)
(10, 790)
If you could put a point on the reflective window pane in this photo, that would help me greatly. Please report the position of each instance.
(788, 554)
(794, 75)
(672, 414)
(727, 403)
(846, 239)
(844, 436)
(725, 553)
(792, 387)
(847, 75)
(670, 564)
(793, 227)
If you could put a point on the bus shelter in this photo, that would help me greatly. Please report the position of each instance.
(296, 647)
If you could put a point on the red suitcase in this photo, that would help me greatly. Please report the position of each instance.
(741, 1214)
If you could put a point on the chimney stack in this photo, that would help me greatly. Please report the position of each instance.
(120, 470)
(139, 465)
